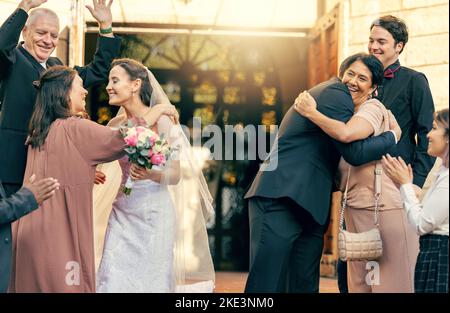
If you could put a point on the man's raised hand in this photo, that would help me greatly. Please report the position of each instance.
(27, 5)
(101, 12)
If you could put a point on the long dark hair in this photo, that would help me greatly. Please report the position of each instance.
(373, 64)
(136, 70)
(52, 102)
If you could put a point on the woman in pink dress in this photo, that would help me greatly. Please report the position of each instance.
(54, 246)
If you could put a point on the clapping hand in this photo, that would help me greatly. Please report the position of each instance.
(101, 12)
(397, 170)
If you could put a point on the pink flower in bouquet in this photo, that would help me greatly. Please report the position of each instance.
(144, 148)
(158, 159)
(153, 139)
(140, 129)
(131, 140)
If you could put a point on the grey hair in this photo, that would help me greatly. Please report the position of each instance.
(36, 13)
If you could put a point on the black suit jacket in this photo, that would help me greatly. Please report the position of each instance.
(409, 98)
(306, 158)
(18, 70)
(11, 209)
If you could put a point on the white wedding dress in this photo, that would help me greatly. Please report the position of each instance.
(156, 239)
(138, 250)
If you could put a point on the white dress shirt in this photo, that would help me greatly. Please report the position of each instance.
(430, 216)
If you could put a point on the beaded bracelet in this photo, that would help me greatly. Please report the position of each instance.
(106, 30)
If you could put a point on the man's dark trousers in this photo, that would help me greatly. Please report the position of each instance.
(283, 226)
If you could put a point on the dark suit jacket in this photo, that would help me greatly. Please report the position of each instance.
(308, 158)
(18, 70)
(11, 209)
(409, 98)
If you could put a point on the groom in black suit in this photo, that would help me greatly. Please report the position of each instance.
(290, 198)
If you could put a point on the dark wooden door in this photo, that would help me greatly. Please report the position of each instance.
(322, 65)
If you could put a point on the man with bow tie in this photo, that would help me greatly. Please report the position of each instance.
(407, 94)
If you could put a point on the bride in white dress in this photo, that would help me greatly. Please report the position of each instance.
(156, 239)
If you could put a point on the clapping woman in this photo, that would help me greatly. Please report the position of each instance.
(429, 217)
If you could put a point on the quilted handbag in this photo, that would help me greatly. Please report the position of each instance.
(366, 245)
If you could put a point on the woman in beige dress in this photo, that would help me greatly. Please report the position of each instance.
(393, 271)
(53, 246)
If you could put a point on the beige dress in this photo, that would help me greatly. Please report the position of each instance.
(394, 271)
(54, 245)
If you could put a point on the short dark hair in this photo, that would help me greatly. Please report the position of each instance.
(137, 70)
(52, 102)
(395, 26)
(373, 64)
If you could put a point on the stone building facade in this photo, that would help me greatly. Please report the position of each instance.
(427, 50)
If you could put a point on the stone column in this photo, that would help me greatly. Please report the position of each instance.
(76, 37)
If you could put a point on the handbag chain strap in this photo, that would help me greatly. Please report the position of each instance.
(377, 194)
(378, 172)
(344, 202)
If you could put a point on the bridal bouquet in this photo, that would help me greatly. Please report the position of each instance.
(144, 148)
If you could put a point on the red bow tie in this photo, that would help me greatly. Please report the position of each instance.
(390, 73)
